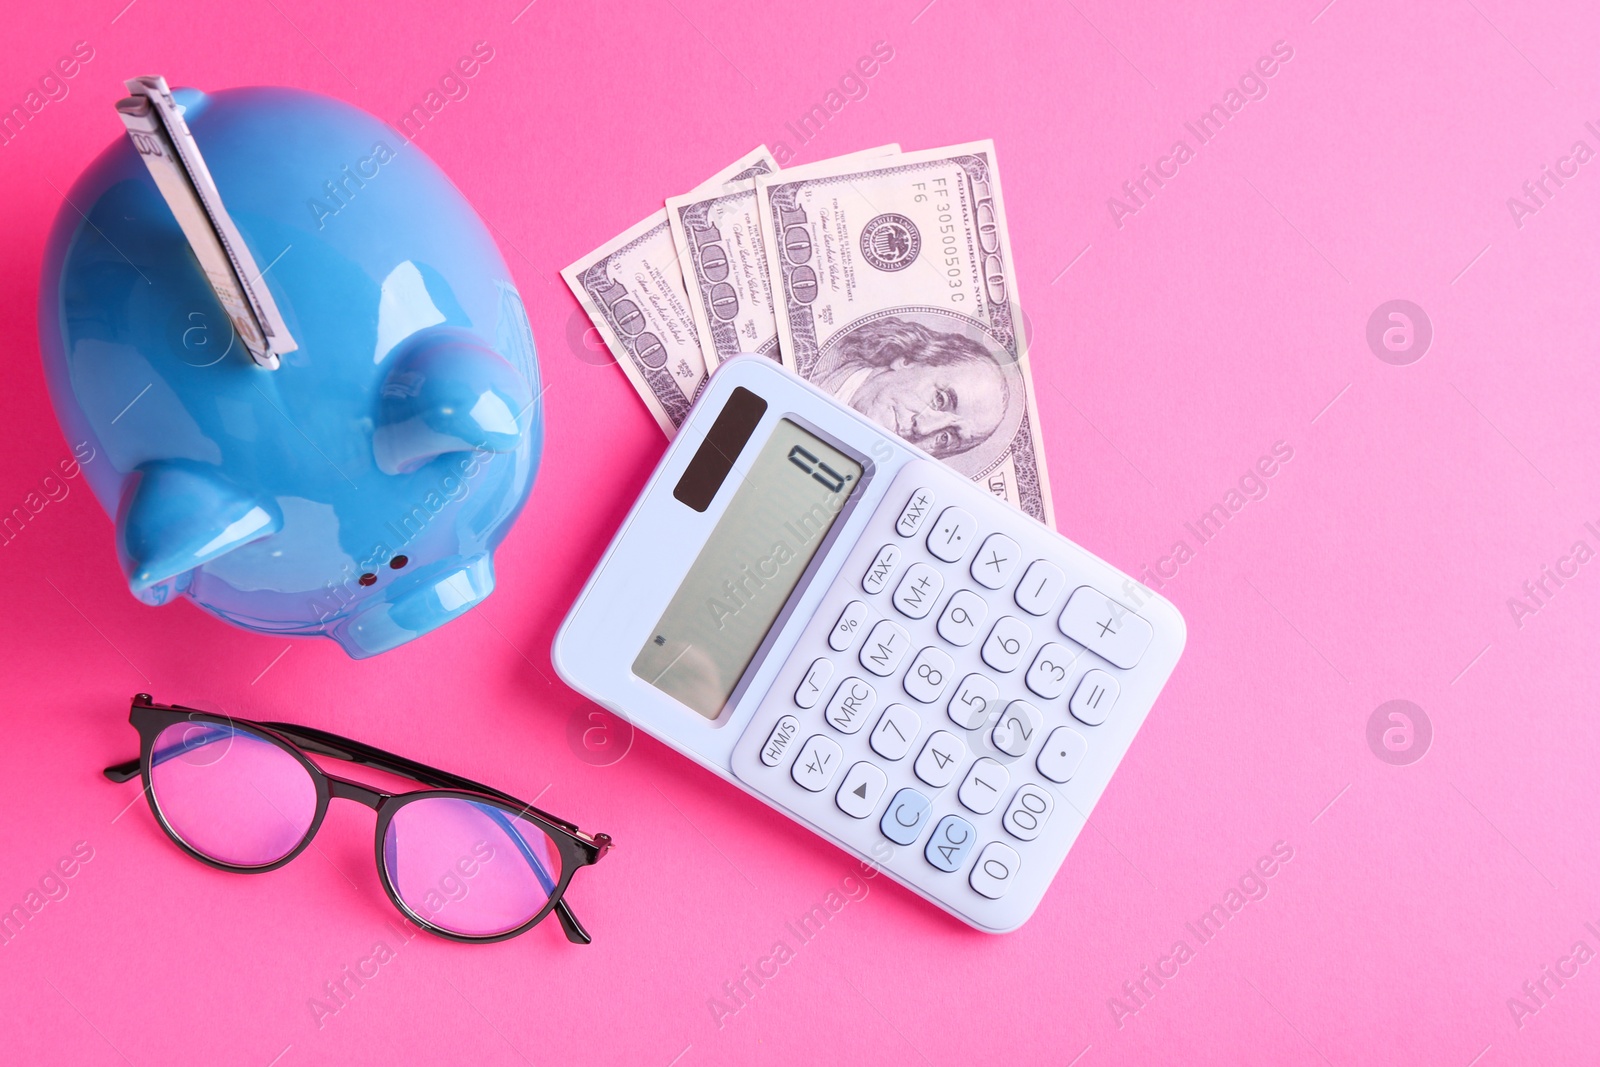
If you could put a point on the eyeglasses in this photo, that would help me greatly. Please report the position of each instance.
(460, 860)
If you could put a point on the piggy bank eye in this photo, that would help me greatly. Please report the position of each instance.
(368, 578)
(398, 562)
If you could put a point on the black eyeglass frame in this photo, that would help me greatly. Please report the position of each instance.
(575, 847)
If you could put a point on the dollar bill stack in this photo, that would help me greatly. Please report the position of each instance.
(883, 277)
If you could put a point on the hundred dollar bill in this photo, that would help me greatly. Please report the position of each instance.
(155, 124)
(894, 290)
(632, 289)
(725, 266)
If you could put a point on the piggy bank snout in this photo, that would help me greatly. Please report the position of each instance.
(446, 393)
(425, 601)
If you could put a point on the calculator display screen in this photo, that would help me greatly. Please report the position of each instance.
(777, 519)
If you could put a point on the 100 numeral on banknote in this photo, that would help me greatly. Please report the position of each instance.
(895, 291)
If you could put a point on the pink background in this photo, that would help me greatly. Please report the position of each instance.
(1227, 314)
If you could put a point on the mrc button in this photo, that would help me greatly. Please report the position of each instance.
(1105, 627)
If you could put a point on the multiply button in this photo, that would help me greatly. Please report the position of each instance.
(949, 537)
(859, 792)
(996, 559)
(916, 511)
(907, 813)
(882, 569)
(1105, 627)
(817, 763)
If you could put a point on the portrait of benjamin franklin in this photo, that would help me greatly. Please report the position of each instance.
(946, 388)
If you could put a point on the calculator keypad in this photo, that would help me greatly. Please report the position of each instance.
(963, 674)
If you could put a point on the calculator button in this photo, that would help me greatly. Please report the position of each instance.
(1040, 587)
(778, 741)
(1027, 813)
(907, 813)
(918, 590)
(969, 708)
(962, 617)
(916, 511)
(897, 727)
(981, 788)
(1105, 627)
(859, 792)
(1093, 698)
(817, 763)
(995, 870)
(1019, 724)
(996, 559)
(810, 690)
(940, 757)
(1051, 668)
(885, 648)
(1007, 642)
(951, 841)
(844, 632)
(928, 675)
(1062, 754)
(950, 535)
(847, 711)
(882, 569)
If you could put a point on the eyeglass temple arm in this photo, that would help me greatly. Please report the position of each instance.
(126, 771)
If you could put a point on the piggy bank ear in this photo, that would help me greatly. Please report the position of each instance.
(177, 515)
(447, 392)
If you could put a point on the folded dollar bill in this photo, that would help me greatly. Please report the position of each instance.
(632, 289)
(895, 291)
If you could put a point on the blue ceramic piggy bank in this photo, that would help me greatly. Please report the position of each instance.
(359, 490)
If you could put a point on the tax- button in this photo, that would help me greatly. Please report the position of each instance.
(951, 841)
(951, 535)
(859, 792)
(817, 763)
(1105, 627)
(908, 811)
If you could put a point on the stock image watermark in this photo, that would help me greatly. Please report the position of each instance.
(1138, 192)
(739, 991)
(52, 490)
(51, 887)
(854, 84)
(1539, 992)
(453, 86)
(1537, 592)
(1251, 887)
(1399, 732)
(1399, 332)
(53, 87)
(598, 737)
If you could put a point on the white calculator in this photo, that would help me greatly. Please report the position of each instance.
(863, 638)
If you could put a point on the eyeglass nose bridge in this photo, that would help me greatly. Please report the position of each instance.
(345, 789)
